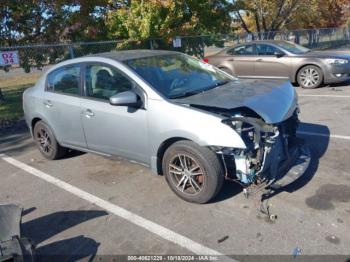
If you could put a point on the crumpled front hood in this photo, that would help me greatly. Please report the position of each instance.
(274, 100)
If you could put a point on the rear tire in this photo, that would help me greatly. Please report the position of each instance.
(46, 142)
(310, 77)
(194, 173)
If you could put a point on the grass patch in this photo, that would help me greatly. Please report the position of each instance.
(18, 80)
(11, 108)
(12, 85)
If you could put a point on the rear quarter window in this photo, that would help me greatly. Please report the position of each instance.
(64, 80)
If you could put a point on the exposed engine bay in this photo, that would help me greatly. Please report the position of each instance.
(267, 145)
(271, 150)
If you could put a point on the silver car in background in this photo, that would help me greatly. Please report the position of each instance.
(283, 60)
(185, 119)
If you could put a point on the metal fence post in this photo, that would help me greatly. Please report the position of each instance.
(71, 51)
(151, 44)
(2, 98)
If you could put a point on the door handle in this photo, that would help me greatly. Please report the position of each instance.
(89, 113)
(47, 103)
(230, 60)
(259, 60)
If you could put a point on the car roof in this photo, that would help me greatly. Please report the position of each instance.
(132, 54)
(251, 43)
(265, 42)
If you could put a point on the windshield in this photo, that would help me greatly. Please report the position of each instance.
(293, 48)
(178, 75)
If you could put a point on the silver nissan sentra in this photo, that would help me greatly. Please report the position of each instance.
(186, 119)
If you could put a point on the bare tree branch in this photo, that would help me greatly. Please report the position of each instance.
(274, 21)
(287, 15)
(257, 22)
(244, 25)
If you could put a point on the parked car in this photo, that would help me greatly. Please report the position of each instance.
(184, 118)
(283, 60)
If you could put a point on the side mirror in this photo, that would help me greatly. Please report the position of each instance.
(127, 98)
(279, 54)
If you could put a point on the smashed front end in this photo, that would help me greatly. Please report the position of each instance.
(273, 156)
(264, 113)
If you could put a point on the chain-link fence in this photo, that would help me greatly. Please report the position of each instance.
(39, 56)
(312, 38)
(33, 60)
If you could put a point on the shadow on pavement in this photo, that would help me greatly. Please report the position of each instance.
(345, 84)
(72, 249)
(69, 250)
(229, 190)
(15, 139)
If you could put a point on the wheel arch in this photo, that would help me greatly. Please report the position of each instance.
(38, 117)
(163, 147)
(34, 121)
(226, 66)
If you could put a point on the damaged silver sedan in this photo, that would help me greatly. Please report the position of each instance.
(187, 120)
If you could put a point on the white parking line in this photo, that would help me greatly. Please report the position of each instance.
(120, 212)
(335, 96)
(323, 135)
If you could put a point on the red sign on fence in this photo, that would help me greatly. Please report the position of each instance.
(9, 58)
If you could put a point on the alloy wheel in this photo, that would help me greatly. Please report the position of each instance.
(310, 77)
(44, 141)
(186, 174)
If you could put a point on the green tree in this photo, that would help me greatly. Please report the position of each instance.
(50, 21)
(166, 18)
(35, 21)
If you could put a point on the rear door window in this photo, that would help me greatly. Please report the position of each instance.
(267, 50)
(65, 80)
(242, 50)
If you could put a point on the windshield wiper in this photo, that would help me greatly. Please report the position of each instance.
(218, 83)
(185, 94)
(194, 92)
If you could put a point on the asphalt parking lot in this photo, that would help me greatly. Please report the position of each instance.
(85, 205)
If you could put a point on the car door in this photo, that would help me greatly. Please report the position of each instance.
(114, 130)
(271, 62)
(242, 59)
(61, 105)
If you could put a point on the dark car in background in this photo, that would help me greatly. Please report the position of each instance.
(283, 60)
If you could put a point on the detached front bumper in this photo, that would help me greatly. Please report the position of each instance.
(292, 168)
(273, 156)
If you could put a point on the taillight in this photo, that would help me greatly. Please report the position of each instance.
(205, 60)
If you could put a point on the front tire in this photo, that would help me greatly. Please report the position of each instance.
(46, 142)
(194, 173)
(310, 77)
